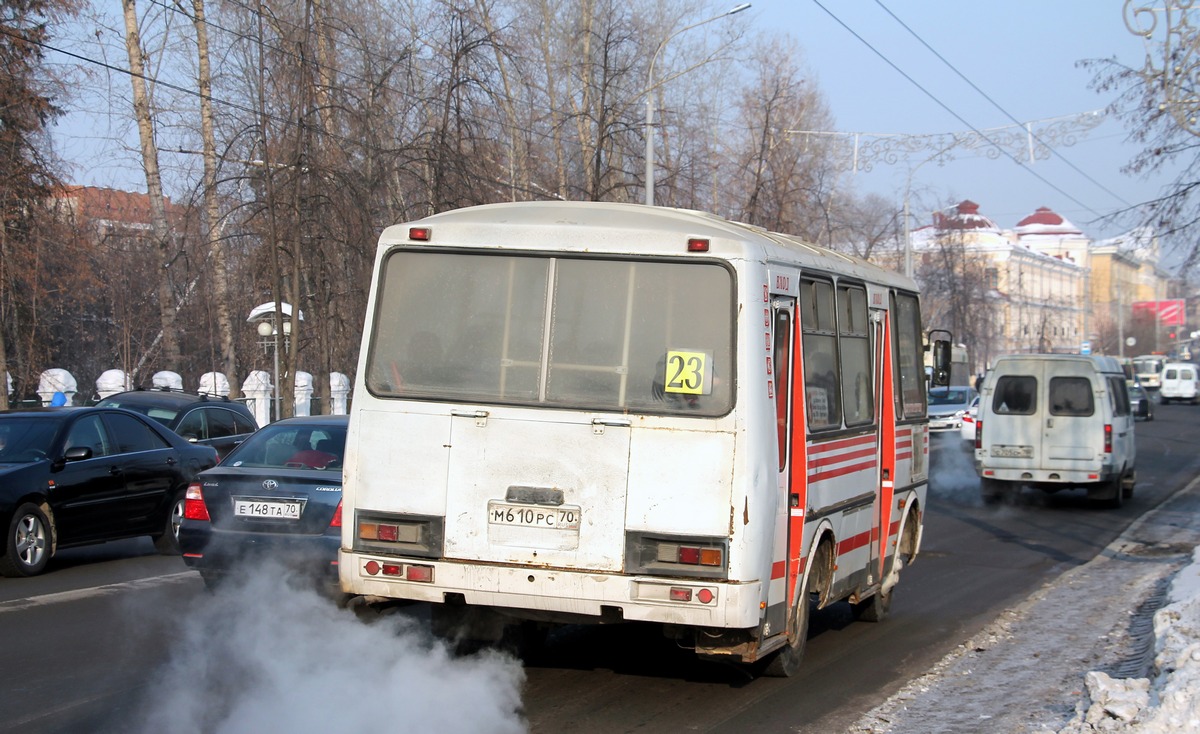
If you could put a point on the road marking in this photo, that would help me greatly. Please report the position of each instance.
(60, 597)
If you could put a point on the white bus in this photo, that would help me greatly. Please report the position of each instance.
(592, 413)
(1148, 370)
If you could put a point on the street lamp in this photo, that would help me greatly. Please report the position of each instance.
(908, 249)
(650, 97)
(269, 336)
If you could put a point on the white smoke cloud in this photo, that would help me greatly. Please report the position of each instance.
(952, 470)
(264, 655)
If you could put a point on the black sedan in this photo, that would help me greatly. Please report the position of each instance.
(75, 476)
(278, 495)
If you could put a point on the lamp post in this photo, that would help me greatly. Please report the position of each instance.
(908, 250)
(650, 97)
(271, 335)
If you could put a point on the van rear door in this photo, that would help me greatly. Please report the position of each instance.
(1073, 423)
(1012, 426)
(1045, 415)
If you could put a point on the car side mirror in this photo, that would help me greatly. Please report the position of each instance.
(78, 453)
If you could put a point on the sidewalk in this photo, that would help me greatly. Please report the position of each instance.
(1028, 671)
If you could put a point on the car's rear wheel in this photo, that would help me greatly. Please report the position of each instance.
(1111, 494)
(167, 542)
(28, 543)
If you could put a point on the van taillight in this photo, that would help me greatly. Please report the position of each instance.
(978, 433)
(1108, 438)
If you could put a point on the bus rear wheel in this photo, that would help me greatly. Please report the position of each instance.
(786, 662)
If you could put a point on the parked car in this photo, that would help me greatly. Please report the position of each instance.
(967, 429)
(948, 405)
(1139, 401)
(75, 476)
(277, 495)
(208, 420)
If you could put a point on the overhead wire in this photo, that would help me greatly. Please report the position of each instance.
(947, 108)
(997, 105)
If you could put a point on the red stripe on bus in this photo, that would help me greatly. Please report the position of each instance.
(854, 542)
(840, 472)
(778, 569)
(849, 455)
(821, 448)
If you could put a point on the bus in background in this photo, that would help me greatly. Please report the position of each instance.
(582, 412)
(1147, 370)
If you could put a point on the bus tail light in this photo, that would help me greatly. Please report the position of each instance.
(1108, 438)
(697, 244)
(406, 571)
(409, 535)
(674, 556)
(193, 504)
(978, 433)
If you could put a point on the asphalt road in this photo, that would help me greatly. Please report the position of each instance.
(94, 644)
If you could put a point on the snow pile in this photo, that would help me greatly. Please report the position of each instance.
(1133, 610)
(1170, 701)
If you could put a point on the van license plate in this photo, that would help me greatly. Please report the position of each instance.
(1013, 452)
(563, 517)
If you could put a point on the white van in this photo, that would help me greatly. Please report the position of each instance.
(1180, 381)
(1053, 422)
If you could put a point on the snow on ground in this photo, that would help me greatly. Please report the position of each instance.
(1109, 646)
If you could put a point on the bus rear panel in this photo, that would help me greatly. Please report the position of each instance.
(598, 412)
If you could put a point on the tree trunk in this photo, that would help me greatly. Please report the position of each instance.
(211, 210)
(158, 214)
(3, 345)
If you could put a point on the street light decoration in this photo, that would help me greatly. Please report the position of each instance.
(1176, 71)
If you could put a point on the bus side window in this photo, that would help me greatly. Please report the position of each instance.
(819, 345)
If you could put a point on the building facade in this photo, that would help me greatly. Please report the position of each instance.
(1046, 286)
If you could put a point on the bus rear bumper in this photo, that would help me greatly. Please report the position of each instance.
(556, 593)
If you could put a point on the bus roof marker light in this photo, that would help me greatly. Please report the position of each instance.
(420, 234)
(697, 244)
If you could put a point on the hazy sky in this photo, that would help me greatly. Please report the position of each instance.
(1021, 53)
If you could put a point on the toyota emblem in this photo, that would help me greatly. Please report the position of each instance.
(270, 484)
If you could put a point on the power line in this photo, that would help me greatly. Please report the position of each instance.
(996, 104)
(945, 107)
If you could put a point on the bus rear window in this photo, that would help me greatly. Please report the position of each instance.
(587, 333)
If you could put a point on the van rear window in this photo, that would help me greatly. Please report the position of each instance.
(1071, 396)
(1015, 395)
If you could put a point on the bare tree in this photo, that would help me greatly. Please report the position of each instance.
(786, 181)
(158, 213)
(957, 293)
(1158, 104)
(27, 171)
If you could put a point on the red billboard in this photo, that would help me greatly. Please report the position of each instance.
(1172, 312)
